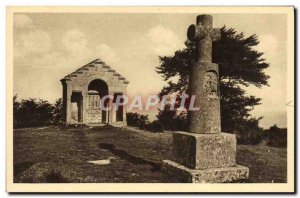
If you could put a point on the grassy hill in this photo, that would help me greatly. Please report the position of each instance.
(56, 154)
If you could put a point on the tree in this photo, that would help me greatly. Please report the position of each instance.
(239, 65)
(57, 112)
(16, 106)
(32, 113)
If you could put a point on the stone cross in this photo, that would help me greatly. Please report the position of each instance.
(204, 34)
(204, 154)
(204, 78)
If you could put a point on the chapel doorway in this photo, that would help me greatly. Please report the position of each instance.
(76, 106)
(97, 89)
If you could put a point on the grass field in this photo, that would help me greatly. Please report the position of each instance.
(56, 154)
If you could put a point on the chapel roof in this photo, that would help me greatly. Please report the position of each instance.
(96, 64)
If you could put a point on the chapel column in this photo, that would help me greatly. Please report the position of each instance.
(112, 109)
(84, 105)
(67, 93)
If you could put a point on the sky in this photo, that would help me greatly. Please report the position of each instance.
(48, 46)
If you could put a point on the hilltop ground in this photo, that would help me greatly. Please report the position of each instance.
(56, 154)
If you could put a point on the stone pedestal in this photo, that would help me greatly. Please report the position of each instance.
(211, 175)
(205, 158)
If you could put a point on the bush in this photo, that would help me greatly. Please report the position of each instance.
(36, 112)
(249, 136)
(276, 137)
(137, 120)
(155, 126)
(32, 113)
(180, 123)
(248, 132)
(172, 121)
(167, 117)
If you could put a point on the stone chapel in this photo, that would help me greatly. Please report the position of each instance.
(82, 93)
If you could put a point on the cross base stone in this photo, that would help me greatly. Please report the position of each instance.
(202, 151)
(204, 158)
(211, 175)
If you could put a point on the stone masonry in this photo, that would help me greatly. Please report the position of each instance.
(83, 90)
